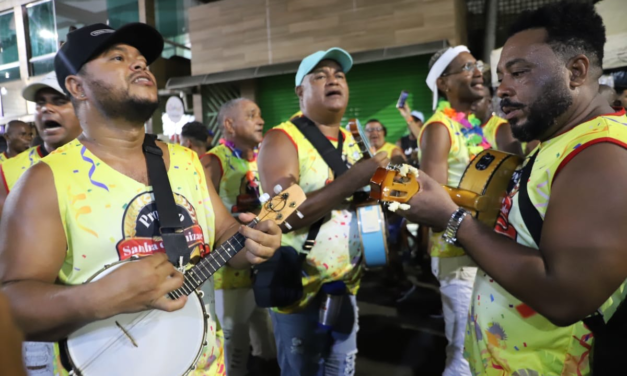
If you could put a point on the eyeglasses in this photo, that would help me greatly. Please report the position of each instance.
(377, 129)
(467, 68)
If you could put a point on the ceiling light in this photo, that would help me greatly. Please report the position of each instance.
(47, 34)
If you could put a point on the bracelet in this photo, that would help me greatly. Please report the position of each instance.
(450, 233)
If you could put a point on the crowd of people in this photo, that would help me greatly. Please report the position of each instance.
(539, 294)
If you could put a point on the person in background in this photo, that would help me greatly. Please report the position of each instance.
(232, 167)
(287, 157)
(621, 92)
(37, 140)
(609, 94)
(56, 122)
(409, 143)
(376, 133)
(444, 154)
(496, 130)
(194, 136)
(18, 136)
(396, 278)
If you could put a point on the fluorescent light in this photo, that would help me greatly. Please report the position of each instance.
(7, 75)
(47, 34)
(3, 90)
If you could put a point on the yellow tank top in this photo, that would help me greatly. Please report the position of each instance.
(3, 157)
(388, 148)
(491, 127)
(336, 255)
(504, 335)
(239, 190)
(14, 167)
(458, 159)
(109, 217)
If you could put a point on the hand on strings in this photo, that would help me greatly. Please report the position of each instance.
(142, 285)
(261, 241)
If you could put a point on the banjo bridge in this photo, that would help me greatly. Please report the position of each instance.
(127, 334)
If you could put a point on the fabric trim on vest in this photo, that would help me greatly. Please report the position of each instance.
(285, 133)
(572, 155)
(219, 163)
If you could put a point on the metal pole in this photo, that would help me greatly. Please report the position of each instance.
(489, 40)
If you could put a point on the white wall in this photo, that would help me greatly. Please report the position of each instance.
(614, 14)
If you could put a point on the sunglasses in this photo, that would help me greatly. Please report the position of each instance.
(469, 67)
(377, 129)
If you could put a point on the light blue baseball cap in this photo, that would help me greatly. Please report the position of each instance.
(418, 115)
(309, 63)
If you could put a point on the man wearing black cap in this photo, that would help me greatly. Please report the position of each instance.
(89, 202)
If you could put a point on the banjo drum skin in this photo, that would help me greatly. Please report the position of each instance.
(151, 342)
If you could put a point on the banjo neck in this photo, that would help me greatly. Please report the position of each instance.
(207, 266)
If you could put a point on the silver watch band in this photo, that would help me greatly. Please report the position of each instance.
(450, 233)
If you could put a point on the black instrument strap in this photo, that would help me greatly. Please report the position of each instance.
(171, 230)
(332, 157)
(609, 341)
(531, 217)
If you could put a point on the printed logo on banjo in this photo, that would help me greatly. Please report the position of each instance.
(141, 225)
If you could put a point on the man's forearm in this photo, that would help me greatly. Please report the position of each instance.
(49, 312)
(518, 269)
(413, 128)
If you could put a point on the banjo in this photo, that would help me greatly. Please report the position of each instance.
(156, 342)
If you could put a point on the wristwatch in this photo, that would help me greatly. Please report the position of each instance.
(450, 233)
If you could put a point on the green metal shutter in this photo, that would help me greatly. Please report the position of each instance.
(277, 99)
(213, 97)
(374, 90)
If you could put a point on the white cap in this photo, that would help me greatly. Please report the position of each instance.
(439, 67)
(418, 115)
(49, 81)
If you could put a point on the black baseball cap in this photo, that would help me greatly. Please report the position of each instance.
(88, 42)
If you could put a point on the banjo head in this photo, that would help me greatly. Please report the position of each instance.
(145, 343)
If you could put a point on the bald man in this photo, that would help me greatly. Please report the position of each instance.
(232, 167)
(19, 136)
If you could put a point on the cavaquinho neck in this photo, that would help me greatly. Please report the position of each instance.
(207, 266)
